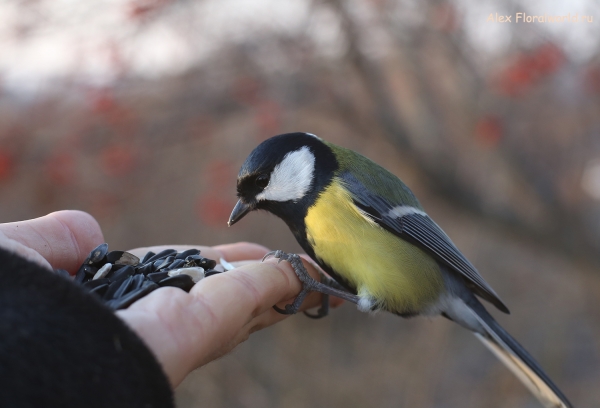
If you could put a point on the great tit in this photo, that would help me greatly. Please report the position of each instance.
(368, 231)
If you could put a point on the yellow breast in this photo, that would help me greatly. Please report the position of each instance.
(400, 276)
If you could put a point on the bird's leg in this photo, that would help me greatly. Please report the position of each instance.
(327, 286)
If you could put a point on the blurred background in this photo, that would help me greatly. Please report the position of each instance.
(141, 112)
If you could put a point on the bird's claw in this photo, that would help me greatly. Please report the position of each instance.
(286, 311)
(319, 315)
(308, 284)
(323, 310)
(277, 254)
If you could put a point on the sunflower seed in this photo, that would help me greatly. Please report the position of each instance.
(185, 254)
(165, 263)
(95, 283)
(97, 255)
(226, 264)
(137, 281)
(158, 276)
(121, 273)
(212, 272)
(90, 270)
(80, 275)
(208, 263)
(131, 297)
(100, 290)
(119, 278)
(102, 272)
(198, 260)
(81, 271)
(176, 263)
(122, 258)
(145, 269)
(161, 254)
(128, 259)
(124, 288)
(184, 282)
(148, 255)
(112, 288)
(196, 273)
(193, 258)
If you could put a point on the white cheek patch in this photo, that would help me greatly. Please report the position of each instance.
(402, 210)
(291, 179)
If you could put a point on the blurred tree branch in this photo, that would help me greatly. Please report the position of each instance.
(561, 226)
(503, 138)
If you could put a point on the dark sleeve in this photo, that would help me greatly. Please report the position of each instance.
(60, 347)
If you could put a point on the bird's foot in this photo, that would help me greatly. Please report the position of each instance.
(327, 287)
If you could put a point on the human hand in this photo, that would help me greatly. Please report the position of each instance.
(188, 330)
(183, 330)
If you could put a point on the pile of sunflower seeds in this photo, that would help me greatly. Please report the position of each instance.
(120, 278)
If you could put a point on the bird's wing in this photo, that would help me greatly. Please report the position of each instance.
(414, 225)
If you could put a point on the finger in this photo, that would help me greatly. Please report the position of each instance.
(229, 252)
(255, 287)
(207, 252)
(63, 238)
(314, 298)
(252, 289)
(241, 251)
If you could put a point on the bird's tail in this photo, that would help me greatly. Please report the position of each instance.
(517, 359)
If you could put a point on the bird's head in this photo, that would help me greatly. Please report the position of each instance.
(283, 175)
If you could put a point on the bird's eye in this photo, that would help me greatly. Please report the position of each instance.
(262, 181)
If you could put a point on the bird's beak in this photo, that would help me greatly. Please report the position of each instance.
(238, 212)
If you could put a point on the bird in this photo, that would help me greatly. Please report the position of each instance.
(366, 229)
